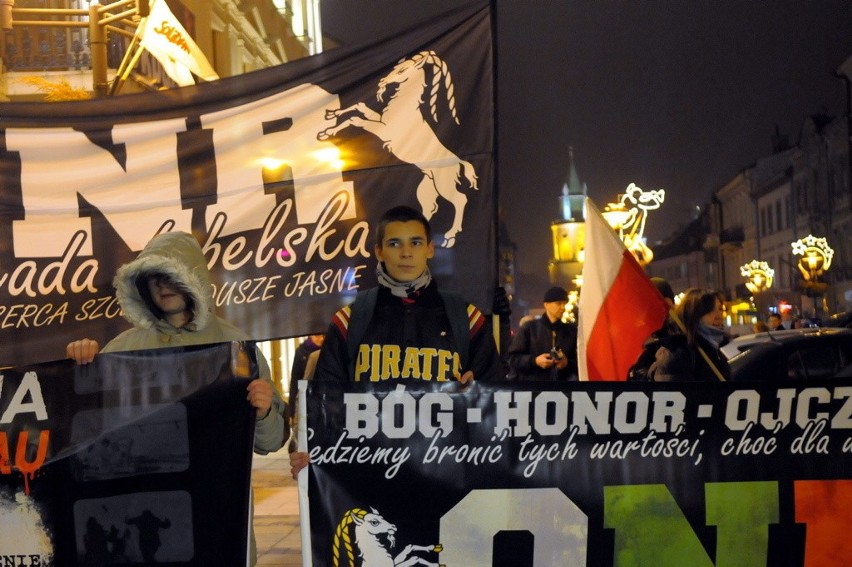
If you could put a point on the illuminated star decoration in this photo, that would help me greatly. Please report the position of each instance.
(815, 254)
(759, 276)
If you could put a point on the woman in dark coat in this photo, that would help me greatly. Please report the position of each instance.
(693, 355)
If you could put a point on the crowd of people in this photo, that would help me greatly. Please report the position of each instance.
(404, 328)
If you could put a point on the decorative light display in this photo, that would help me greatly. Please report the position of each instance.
(759, 276)
(628, 218)
(570, 313)
(815, 259)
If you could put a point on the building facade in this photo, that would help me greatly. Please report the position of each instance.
(757, 215)
(52, 40)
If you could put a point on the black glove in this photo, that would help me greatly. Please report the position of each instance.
(501, 305)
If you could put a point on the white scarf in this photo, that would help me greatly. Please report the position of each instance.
(403, 289)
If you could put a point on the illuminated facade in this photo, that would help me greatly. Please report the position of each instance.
(235, 37)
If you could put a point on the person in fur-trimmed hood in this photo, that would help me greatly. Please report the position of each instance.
(166, 294)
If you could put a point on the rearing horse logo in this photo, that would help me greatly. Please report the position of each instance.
(405, 133)
(374, 536)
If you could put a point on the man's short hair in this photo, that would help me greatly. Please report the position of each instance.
(401, 213)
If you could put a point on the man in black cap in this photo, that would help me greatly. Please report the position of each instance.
(546, 347)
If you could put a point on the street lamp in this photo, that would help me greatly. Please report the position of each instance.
(759, 276)
(617, 216)
(815, 257)
(814, 260)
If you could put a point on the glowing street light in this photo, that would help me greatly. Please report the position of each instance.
(759, 276)
(618, 216)
(815, 259)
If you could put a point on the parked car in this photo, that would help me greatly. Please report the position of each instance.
(814, 353)
(843, 319)
(745, 342)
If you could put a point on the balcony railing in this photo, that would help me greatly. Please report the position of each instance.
(39, 49)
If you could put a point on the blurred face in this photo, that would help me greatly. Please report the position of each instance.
(715, 318)
(554, 310)
(165, 295)
(318, 339)
(404, 250)
(774, 321)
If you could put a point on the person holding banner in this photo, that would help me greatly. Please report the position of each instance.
(405, 327)
(165, 294)
(694, 354)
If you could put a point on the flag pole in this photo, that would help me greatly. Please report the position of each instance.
(128, 63)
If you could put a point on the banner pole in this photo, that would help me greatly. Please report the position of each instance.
(706, 358)
(122, 77)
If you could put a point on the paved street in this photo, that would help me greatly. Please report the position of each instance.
(276, 511)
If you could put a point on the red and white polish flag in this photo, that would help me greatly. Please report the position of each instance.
(619, 307)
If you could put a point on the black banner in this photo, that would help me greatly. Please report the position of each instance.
(137, 458)
(596, 474)
(281, 175)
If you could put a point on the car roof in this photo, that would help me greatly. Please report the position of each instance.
(842, 319)
(745, 342)
(751, 361)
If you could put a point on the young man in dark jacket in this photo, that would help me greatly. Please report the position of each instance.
(411, 331)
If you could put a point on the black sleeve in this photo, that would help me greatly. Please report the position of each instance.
(520, 358)
(484, 360)
(333, 363)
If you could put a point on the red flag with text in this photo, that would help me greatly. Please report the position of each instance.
(619, 306)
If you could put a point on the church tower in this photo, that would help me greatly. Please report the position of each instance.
(568, 231)
(573, 193)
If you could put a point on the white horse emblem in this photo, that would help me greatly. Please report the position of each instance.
(374, 536)
(407, 135)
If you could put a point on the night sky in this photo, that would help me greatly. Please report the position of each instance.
(679, 95)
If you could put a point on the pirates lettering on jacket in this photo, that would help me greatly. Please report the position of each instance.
(386, 362)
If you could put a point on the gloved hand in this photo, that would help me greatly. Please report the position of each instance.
(501, 305)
